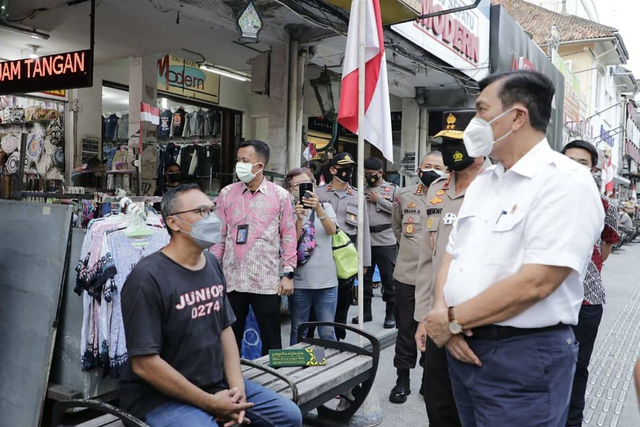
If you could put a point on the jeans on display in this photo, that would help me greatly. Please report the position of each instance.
(324, 303)
(269, 410)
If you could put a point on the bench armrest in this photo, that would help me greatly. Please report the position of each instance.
(370, 349)
(275, 373)
(60, 407)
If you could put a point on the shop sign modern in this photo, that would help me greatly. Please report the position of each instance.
(47, 73)
(460, 39)
(185, 78)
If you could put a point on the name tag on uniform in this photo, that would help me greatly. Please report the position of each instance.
(450, 219)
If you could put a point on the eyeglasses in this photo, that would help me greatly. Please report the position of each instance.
(204, 211)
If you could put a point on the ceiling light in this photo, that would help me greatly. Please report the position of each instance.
(226, 73)
(24, 31)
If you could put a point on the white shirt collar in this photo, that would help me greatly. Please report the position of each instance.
(530, 162)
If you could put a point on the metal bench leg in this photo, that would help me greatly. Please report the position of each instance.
(360, 385)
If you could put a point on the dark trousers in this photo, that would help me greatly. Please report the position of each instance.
(345, 294)
(385, 258)
(406, 350)
(267, 311)
(524, 381)
(585, 331)
(438, 394)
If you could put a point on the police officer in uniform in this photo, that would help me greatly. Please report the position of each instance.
(344, 201)
(444, 199)
(381, 197)
(407, 227)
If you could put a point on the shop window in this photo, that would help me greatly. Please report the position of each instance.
(40, 123)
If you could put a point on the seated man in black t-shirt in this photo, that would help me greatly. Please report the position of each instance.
(184, 365)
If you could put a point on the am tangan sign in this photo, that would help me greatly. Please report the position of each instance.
(60, 71)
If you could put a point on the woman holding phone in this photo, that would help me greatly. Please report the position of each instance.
(316, 280)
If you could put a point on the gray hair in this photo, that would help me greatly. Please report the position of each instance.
(431, 153)
(170, 201)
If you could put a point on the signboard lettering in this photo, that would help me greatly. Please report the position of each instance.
(185, 78)
(47, 73)
(461, 39)
(452, 30)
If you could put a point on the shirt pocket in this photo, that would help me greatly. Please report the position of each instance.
(464, 233)
(507, 239)
(352, 218)
(411, 226)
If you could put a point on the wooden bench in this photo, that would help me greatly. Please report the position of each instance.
(350, 372)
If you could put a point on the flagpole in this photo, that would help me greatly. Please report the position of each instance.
(361, 110)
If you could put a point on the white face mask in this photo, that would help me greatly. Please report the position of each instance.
(243, 171)
(478, 136)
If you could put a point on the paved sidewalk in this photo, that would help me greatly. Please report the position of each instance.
(611, 395)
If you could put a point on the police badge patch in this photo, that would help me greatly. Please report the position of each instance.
(450, 219)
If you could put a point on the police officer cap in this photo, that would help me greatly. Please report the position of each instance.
(373, 163)
(342, 159)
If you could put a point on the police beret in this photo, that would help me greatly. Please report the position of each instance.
(373, 163)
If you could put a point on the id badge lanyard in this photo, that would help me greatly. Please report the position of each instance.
(242, 233)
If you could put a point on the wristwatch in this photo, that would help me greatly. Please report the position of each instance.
(454, 327)
(289, 275)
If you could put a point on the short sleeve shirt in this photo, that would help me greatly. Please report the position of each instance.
(544, 210)
(178, 314)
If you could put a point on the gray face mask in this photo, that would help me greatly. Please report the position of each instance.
(205, 232)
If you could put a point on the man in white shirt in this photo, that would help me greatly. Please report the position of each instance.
(511, 282)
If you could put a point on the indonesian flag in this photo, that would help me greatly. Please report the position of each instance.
(608, 172)
(309, 152)
(377, 120)
(149, 114)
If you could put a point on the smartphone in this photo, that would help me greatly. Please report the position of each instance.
(303, 189)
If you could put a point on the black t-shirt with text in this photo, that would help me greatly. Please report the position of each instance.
(178, 314)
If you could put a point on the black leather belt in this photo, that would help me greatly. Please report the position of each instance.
(379, 228)
(497, 332)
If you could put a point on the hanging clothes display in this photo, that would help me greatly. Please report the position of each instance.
(178, 122)
(111, 127)
(112, 247)
(164, 128)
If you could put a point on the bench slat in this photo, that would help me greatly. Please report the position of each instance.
(254, 374)
(105, 420)
(321, 383)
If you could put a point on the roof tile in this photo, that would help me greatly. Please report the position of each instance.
(538, 21)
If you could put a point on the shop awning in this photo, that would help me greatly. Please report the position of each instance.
(393, 11)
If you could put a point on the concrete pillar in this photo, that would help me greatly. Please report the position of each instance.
(424, 142)
(143, 88)
(87, 104)
(278, 107)
(292, 107)
(410, 139)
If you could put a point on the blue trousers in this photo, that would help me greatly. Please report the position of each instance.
(269, 410)
(525, 381)
(323, 301)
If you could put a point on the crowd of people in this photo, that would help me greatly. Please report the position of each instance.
(490, 273)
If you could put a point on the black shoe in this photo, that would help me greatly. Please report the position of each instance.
(389, 321)
(367, 318)
(400, 392)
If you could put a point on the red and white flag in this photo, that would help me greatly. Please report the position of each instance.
(149, 114)
(608, 172)
(309, 152)
(377, 120)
